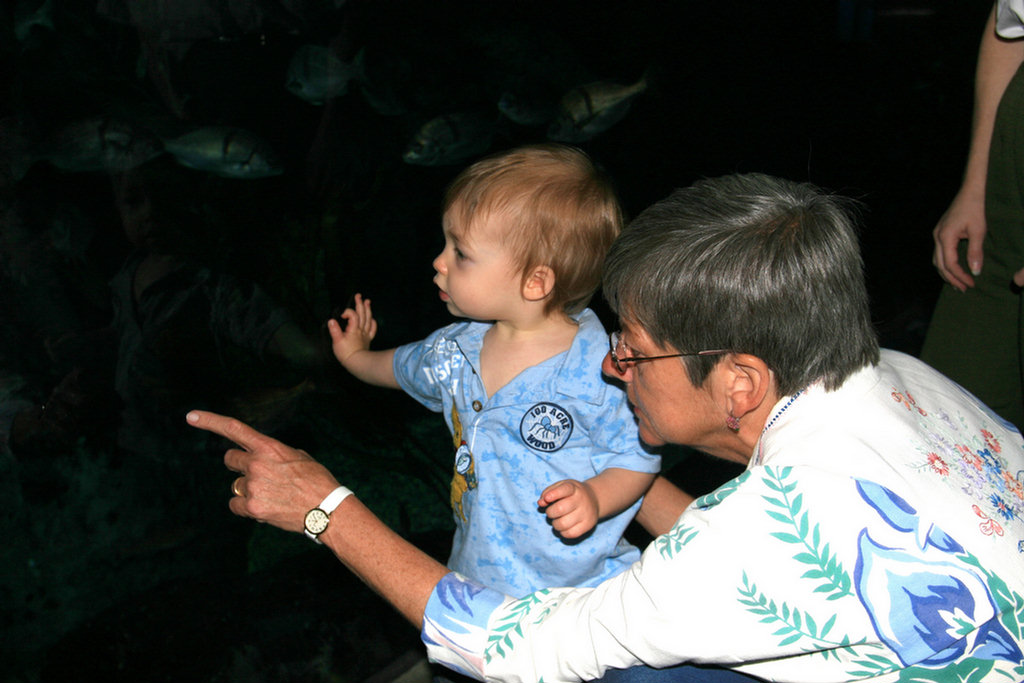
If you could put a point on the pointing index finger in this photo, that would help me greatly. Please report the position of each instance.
(228, 427)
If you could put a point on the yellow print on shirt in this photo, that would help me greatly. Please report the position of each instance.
(464, 477)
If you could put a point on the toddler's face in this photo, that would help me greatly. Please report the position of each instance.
(475, 273)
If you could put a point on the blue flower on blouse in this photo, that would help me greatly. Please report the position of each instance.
(461, 595)
(1001, 506)
(925, 602)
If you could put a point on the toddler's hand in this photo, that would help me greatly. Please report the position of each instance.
(360, 329)
(571, 506)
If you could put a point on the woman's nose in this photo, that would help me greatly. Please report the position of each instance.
(608, 368)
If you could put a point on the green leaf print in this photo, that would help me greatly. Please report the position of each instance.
(671, 543)
(876, 664)
(722, 492)
(788, 509)
(968, 671)
(792, 624)
(500, 641)
(1011, 610)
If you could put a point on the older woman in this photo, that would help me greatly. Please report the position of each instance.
(876, 533)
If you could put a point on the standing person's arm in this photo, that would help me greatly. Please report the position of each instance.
(998, 61)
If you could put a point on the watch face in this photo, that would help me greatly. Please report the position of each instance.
(316, 521)
(463, 459)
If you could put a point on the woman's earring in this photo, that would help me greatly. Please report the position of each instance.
(733, 423)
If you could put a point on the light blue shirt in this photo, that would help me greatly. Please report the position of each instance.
(556, 420)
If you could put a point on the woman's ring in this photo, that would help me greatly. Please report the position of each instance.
(234, 487)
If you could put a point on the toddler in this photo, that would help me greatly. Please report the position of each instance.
(549, 469)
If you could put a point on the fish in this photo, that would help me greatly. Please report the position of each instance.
(588, 110)
(316, 74)
(225, 151)
(383, 83)
(99, 143)
(383, 98)
(31, 16)
(526, 110)
(450, 139)
(179, 24)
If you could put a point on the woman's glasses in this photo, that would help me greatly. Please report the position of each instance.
(622, 362)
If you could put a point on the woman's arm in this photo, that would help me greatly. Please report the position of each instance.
(280, 484)
(662, 506)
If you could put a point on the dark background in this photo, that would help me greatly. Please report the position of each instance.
(872, 100)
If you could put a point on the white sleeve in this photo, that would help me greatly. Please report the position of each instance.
(1010, 19)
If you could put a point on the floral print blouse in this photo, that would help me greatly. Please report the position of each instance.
(877, 534)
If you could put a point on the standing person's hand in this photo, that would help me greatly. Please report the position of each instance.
(963, 220)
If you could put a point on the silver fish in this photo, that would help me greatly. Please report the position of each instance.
(180, 24)
(316, 74)
(587, 110)
(450, 139)
(30, 15)
(225, 151)
(524, 110)
(382, 84)
(101, 143)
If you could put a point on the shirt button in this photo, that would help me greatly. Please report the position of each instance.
(478, 406)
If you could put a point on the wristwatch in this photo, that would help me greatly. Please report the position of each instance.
(318, 518)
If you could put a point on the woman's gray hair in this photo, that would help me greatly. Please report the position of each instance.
(753, 264)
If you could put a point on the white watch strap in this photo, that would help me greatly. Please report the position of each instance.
(330, 504)
(333, 499)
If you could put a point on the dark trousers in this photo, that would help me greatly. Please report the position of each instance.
(684, 673)
(975, 337)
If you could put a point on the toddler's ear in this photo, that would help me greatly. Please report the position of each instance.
(539, 284)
